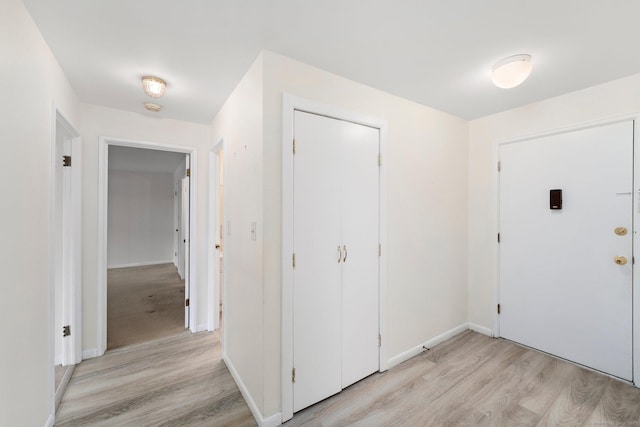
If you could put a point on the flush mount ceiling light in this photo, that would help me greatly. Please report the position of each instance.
(152, 107)
(511, 71)
(153, 86)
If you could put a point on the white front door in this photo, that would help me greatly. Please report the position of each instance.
(335, 278)
(566, 274)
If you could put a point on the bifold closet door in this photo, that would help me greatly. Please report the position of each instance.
(317, 314)
(360, 225)
(335, 279)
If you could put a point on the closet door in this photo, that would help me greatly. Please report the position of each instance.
(317, 308)
(360, 219)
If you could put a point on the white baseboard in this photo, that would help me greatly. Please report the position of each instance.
(89, 354)
(139, 264)
(202, 327)
(273, 420)
(50, 421)
(481, 329)
(396, 360)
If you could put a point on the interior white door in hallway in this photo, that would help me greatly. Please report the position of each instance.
(185, 242)
(336, 237)
(566, 270)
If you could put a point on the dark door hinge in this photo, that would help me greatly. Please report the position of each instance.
(498, 237)
(66, 161)
(186, 302)
(66, 331)
(498, 308)
(293, 375)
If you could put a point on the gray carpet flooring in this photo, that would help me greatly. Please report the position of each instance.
(143, 304)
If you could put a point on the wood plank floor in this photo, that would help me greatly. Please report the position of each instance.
(176, 381)
(470, 380)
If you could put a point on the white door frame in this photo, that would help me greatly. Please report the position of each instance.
(103, 179)
(291, 103)
(636, 220)
(72, 250)
(213, 264)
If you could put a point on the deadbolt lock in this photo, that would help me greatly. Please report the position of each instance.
(620, 260)
(620, 231)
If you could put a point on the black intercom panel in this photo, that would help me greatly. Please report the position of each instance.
(555, 199)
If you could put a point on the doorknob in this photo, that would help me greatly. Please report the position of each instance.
(620, 231)
(620, 260)
(218, 246)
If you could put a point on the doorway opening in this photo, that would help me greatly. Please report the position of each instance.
(65, 268)
(146, 229)
(216, 237)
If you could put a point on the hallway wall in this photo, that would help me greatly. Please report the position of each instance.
(588, 105)
(140, 229)
(31, 83)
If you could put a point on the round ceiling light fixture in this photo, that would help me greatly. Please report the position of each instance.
(153, 107)
(511, 71)
(153, 86)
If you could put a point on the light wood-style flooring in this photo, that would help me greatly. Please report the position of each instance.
(176, 381)
(470, 380)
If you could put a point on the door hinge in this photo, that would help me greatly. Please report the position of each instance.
(294, 146)
(293, 260)
(498, 308)
(498, 237)
(66, 331)
(379, 159)
(293, 375)
(189, 172)
(379, 249)
(186, 302)
(499, 166)
(66, 161)
(379, 340)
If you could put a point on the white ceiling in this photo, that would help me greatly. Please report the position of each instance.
(438, 53)
(143, 160)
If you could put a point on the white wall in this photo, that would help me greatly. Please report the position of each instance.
(427, 209)
(599, 102)
(239, 122)
(101, 121)
(140, 229)
(30, 82)
(427, 215)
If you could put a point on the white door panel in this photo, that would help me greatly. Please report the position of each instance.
(335, 279)
(360, 219)
(185, 243)
(316, 291)
(561, 291)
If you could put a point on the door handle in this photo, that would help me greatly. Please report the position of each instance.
(339, 254)
(345, 254)
(620, 260)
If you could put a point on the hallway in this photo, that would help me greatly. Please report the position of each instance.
(176, 381)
